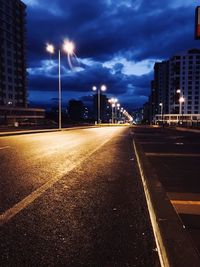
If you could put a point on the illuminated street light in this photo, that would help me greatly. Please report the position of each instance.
(50, 48)
(161, 111)
(68, 47)
(181, 100)
(103, 89)
(113, 102)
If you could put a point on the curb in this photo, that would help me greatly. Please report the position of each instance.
(175, 247)
(43, 131)
(55, 130)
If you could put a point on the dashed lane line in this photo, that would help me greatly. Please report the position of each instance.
(10, 213)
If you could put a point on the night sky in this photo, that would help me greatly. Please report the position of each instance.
(116, 41)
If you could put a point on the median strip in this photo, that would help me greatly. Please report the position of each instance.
(175, 247)
(164, 261)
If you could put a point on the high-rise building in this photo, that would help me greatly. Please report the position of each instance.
(13, 79)
(177, 85)
(161, 86)
(184, 82)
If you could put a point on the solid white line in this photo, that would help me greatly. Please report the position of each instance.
(157, 234)
(4, 147)
(185, 202)
(187, 206)
(8, 214)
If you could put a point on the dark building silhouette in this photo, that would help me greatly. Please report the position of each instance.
(13, 80)
(13, 77)
(105, 110)
(161, 86)
(76, 110)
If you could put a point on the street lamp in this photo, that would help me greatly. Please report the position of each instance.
(117, 113)
(68, 47)
(181, 101)
(113, 102)
(102, 88)
(161, 111)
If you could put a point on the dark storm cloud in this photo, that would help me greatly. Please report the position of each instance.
(82, 81)
(105, 29)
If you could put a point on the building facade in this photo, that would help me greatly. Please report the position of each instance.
(13, 77)
(184, 82)
(161, 86)
(176, 86)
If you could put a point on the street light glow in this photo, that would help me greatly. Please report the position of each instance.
(181, 99)
(103, 88)
(94, 88)
(50, 48)
(68, 47)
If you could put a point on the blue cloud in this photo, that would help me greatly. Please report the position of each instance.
(106, 30)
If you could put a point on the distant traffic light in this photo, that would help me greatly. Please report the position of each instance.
(197, 23)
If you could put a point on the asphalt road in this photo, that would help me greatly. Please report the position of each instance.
(175, 158)
(73, 198)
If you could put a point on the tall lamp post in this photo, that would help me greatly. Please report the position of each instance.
(161, 112)
(181, 101)
(113, 102)
(118, 108)
(68, 47)
(103, 89)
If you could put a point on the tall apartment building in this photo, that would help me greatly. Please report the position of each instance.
(161, 86)
(184, 75)
(178, 77)
(13, 80)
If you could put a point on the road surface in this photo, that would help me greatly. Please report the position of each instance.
(73, 198)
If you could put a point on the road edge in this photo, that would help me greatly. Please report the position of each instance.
(3, 134)
(175, 247)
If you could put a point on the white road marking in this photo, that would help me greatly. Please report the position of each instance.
(185, 203)
(162, 253)
(179, 144)
(187, 206)
(8, 214)
(4, 147)
(171, 155)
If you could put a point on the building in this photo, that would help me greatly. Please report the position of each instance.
(13, 75)
(105, 109)
(13, 79)
(176, 86)
(76, 110)
(184, 82)
(161, 86)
